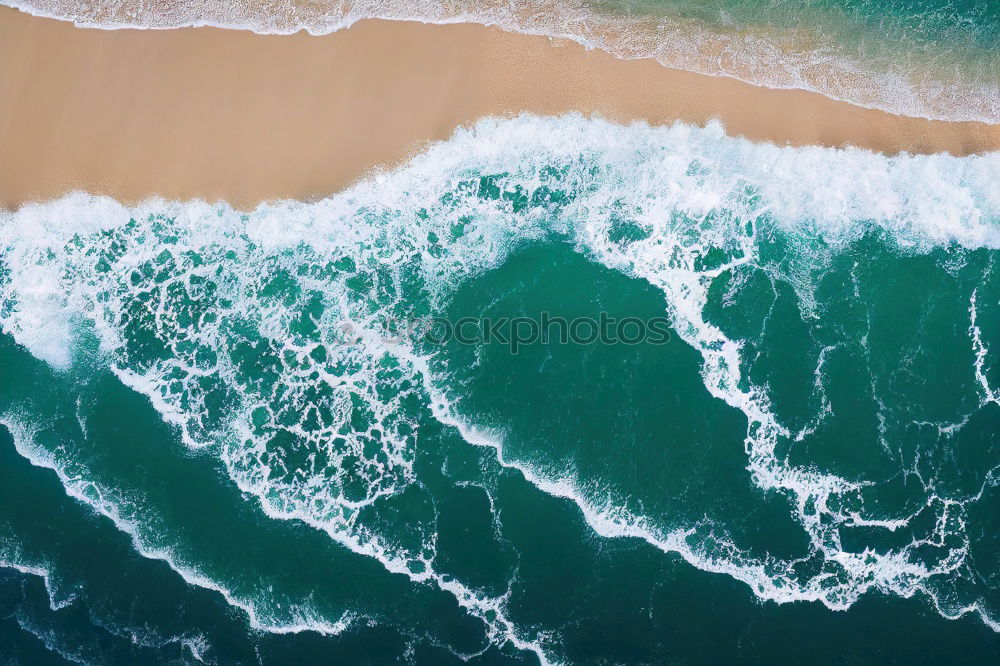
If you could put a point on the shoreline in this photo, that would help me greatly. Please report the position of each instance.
(216, 114)
(756, 52)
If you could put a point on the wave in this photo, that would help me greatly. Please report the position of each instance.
(11, 558)
(265, 337)
(885, 62)
(268, 610)
(106, 502)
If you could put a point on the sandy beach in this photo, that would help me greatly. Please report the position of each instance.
(211, 113)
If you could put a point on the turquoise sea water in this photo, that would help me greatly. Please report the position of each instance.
(222, 442)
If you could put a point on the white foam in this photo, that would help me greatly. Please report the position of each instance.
(980, 349)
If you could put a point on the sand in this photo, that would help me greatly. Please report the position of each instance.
(221, 114)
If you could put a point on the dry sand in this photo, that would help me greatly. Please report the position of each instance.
(210, 113)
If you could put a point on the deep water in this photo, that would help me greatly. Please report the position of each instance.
(221, 440)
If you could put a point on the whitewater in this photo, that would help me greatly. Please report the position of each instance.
(265, 339)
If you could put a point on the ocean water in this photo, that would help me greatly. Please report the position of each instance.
(229, 437)
(927, 58)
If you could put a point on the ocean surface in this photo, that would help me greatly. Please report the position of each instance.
(231, 438)
(926, 58)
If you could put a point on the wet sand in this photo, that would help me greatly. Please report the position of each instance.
(222, 114)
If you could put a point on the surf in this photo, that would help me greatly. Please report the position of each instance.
(266, 338)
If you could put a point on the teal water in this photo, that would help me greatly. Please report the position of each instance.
(223, 442)
(956, 25)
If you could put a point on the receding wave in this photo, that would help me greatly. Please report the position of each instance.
(933, 61)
